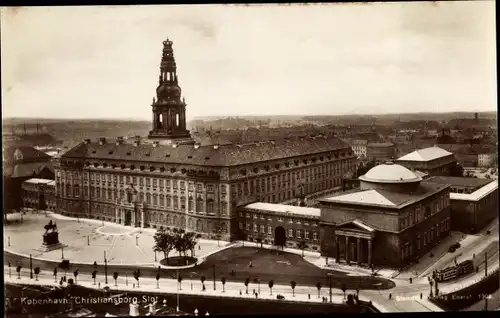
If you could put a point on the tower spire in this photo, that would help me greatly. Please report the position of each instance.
(169, 110)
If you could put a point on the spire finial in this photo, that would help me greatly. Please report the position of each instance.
(154, 100)
(184, 99)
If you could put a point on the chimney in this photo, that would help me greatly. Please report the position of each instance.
(87, 141)
(134, 310)
(102, 141)
(216, 146)
(156, 143)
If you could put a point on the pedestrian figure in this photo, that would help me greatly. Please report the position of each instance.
(473, 255)
(309, 296)
(254, 290)
(133, 285)
(411, 280)
(240, 292)
(256, 295)
(99, 284)
(421, 295)
(390, 296)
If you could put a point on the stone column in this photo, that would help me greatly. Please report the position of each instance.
(122, 212)
(133, 217)
(337, 248)
(369, 252)
(116, 214)
(347, 252)
(359, 250)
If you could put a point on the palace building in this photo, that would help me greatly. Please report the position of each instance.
(167, 179)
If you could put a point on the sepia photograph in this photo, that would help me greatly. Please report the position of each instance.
(250, 159)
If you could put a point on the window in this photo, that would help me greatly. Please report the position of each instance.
(255, 227)
(280, 219)
(254, 216)
(240, 224)
(315, 236)
(247, 215)
(148, 198)
(155, 199)
(306, 233)
(290, 233)
(248, 226)
(299, 234)
(290, 221)
(269, 230)
(155, 182)
(262, 216)
(262, 229)
(162, 182)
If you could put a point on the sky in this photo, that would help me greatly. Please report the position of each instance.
(103, 62)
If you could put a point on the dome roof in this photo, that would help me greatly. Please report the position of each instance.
(390, 173)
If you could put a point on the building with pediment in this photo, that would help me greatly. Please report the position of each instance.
(169, 180)
(393, 218)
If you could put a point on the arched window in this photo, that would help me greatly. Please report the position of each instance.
(148, 198)
(198, 225)
(177, 120)
(169, 219)
(176, 202)
(141, 197)
(175, 221)
(210, 206)
(169, 201)
(162, 200)
(155, 199)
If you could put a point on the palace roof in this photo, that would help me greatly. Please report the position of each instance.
(476, 195)
(285, 209)
(208, 155)
(460, 181)
(385, 198)
(426, 154)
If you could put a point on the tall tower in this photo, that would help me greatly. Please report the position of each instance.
(169, 111)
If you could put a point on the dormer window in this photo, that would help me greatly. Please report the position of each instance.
(96, 165)
(128, 153)
(148, 154)
(141, 168)
(110, 152)
(167, 155)
(190, 157)
(151, 168)
(132, 167)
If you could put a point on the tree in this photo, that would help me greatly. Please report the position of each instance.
(247, 281)
(164, 242)
(179, 280)
(94, 275)
(18, 270)
(203, 278)
(75, 273)
(223, 281)
(318, 286)
(55, 274)
(302, 245)
(293, 284)
(271, 284)
(137, 275)
(115, 277)
(344, 289)
(158, 280)
(37, 271)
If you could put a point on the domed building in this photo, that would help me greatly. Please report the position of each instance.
(392, 219)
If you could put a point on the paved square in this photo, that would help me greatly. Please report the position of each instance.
(87, 240)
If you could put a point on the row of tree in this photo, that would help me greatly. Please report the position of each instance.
(167, 240)
(137, 275)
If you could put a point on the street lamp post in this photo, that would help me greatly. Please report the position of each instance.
(214, 274)
(62, 252)
(155, 257)
(485, 264)
(9, 271)
(8, 241)
(31, 267)
(88, 240)
(105, 269)
(177, 307)
(137, 240)
(330, 283)
(258, 286)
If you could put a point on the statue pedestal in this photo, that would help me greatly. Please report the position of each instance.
(51, 238)
(50, 242)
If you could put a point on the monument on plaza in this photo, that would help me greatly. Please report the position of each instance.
(51, 236)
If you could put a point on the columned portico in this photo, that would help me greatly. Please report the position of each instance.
(354, 242)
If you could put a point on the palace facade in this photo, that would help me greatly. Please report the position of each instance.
(169, 180)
